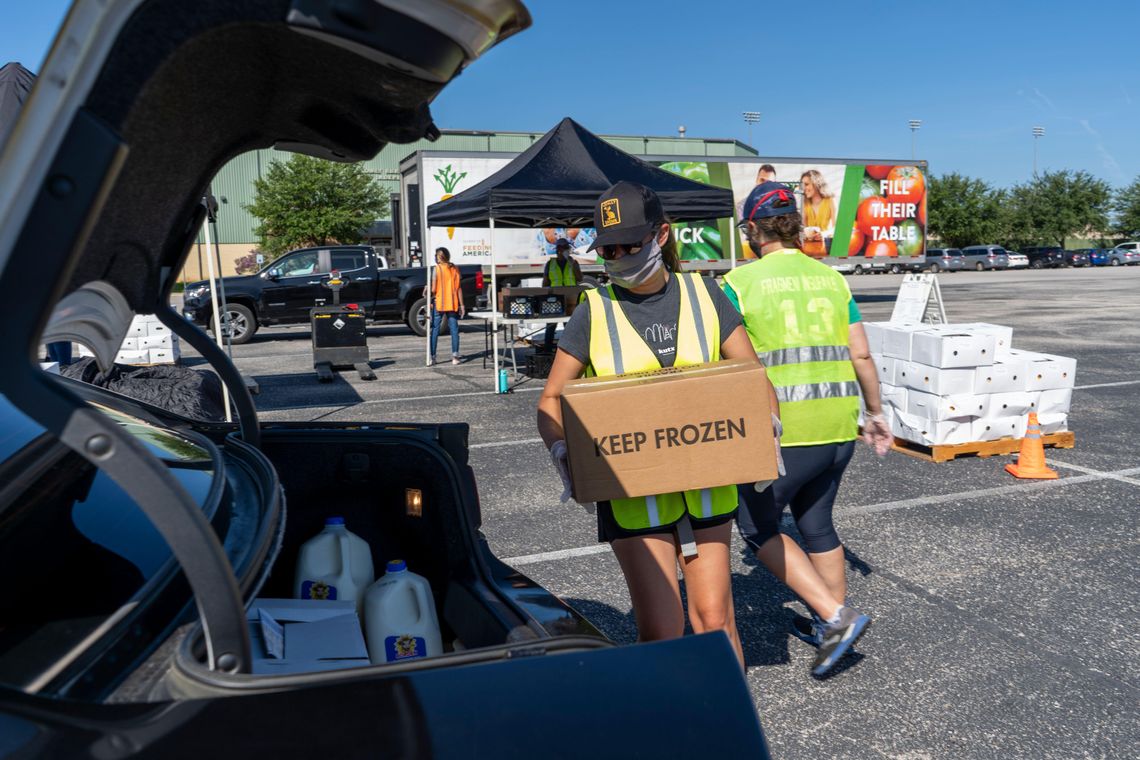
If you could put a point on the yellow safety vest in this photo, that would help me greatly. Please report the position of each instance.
(795, 310)
(616, 348)
(561, 276)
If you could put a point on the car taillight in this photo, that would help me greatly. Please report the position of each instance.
(479, 280)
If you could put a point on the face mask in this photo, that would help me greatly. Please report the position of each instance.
(634, 269)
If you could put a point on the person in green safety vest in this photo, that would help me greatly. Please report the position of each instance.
(805, 327)
(653, 316)
(562, 271)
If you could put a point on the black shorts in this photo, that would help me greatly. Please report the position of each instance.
(609, 530)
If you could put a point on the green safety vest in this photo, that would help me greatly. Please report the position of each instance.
(795, 310)
(561, 276)
(616, 348)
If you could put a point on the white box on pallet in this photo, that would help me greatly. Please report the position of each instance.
(137, 328)
(993, 428)
(932, 432)
(1055, 401)
(1050, 422)
(130, 344)
(940, 382)
(874, 331)
(1002, 335)
(1004, 377)
(1011, 404)
(163, 355)
(897, 340)
(157, 328)
(885, 367)
(947, 349)
(164, 340)
(893, 395)
(930, 407)
(1046, 372)
(132, 357)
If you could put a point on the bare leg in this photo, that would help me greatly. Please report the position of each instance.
(787, 561)
(833, 569)
(708, 584)
(649, 564)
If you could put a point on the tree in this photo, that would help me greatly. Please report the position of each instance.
(963, 211)
(309, 202)
(1126, 209)
(1057, 205)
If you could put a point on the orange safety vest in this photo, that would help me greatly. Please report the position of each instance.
(445, 287)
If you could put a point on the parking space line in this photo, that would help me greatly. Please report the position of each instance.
(441, 395)
(887, 506)
(1106, 385)
(1090, 471)
(496, 444)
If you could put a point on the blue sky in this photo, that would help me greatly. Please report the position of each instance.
(831, 79)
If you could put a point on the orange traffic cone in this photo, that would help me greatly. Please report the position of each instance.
(1031, 461)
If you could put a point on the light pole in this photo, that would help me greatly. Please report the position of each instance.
(750, 118)
(681, 130)
(915, 124)
(1037, 132)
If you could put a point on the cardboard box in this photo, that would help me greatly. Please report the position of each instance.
(1050, 422)
(875, 332)
(893, 395)
(165, 340)
(1002, 335)
(304, 636)
(156, 328)
(1056, 401)
(940, 382)
(1003, 377)
(137, 328)
(927, 406)
(1047, 372)
(897, 339)
(1012, 404)
(670, 430)
(991, 429)
(886, 366)
(130, 344)
(132, 357)
(163, 355)
(946, 349)
(932, 432)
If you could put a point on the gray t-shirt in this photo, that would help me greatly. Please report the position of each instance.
(654, 317)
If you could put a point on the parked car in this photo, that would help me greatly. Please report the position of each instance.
(1017, 260)
(135, 540)
(1076, 258)
(1098, 257)
(283, 292)
(983, 257)
(945, 260)
(1125, 253)
(1045, 257)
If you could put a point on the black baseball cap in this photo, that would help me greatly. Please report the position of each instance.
(562, 243)
(625, 214)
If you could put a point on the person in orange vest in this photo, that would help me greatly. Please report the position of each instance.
(447, 301)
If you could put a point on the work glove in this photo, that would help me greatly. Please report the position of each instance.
(777, 433)
(559, 459)
(877, 433)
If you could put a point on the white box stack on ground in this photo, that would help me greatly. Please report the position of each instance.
(148, 341)
(961, 383)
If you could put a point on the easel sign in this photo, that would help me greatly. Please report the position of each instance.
(919, 300)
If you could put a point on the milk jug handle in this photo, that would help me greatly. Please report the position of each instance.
(342, 544)
(423, 600)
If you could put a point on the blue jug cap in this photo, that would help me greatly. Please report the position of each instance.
(397, 566)
(334, 521)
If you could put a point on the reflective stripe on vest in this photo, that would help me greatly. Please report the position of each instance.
(795, 310)
(616, 348)
(561, 276)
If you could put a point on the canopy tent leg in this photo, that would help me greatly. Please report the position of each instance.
(218, 327)
(494, 306)
(734, 232)
(430, 299)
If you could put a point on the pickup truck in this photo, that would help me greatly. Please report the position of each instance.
(283, 292)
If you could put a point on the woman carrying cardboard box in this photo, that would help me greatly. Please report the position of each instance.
(653, 316)
(804, 325)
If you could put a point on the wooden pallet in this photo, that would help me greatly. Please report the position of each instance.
(1000, 447)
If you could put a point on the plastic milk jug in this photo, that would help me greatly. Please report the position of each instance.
(399, 617)
(334, 564)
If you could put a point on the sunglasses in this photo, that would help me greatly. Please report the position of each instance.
(611, 252)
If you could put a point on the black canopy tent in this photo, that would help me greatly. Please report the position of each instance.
(15, 83)
(556, 182)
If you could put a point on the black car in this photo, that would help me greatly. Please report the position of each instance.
(1077, 258)
(1045, 257)
(283, 292)
(135, 539)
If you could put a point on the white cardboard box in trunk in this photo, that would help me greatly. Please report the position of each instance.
(932, 432)
(991, 429)
(946, 349)
(940, 382)
(931, 407)
(1005, 377)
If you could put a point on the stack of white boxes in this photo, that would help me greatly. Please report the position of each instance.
(148, 341)
(950, 384)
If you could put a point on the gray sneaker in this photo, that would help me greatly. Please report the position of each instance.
(808, 630)
(839, 638)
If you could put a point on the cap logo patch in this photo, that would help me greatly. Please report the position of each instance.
(611, 212)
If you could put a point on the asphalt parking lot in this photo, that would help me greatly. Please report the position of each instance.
(1005, 611)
